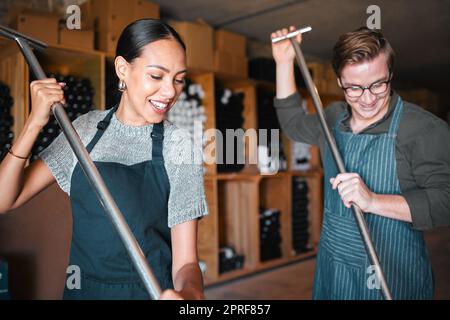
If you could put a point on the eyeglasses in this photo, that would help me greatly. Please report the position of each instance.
(375, 88)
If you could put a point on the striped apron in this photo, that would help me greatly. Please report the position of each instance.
(343, 269)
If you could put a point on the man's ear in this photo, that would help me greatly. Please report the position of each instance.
(122, 67)
(339, 82)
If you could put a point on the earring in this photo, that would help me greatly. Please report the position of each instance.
(122, 86)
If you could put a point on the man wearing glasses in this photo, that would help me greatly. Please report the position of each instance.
(398, 159)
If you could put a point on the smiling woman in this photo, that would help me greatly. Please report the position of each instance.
(151, 65)
(144, 162)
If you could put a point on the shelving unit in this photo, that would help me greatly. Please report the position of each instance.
(234, 199)
(14, 73)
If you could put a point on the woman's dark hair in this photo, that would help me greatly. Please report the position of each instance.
(142, 32)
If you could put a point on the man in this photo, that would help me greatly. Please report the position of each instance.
(398, 159)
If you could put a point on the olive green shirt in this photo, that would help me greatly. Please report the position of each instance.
(422, 152)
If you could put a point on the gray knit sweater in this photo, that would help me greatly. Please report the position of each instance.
(129, 145)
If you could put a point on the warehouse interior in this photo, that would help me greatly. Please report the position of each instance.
(261, 237)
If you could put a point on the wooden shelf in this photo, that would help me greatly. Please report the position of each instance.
(307, 173)
(14, 73)
(260, 267)
(282, 261)
(229, 275)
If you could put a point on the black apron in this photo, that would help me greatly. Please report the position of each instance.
(141, 192)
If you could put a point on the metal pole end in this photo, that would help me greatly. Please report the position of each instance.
(292, 34)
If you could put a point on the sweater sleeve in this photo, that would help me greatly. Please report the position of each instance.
(187, 200)
(303, 127)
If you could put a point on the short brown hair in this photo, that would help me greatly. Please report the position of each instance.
(360, 45)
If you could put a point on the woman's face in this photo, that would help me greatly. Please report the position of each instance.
(154, 80)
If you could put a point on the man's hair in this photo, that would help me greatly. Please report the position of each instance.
(361, 45)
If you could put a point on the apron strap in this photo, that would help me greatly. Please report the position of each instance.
(339, 120)
(157, 136)
(395, 122)
(157, 141)
(101, 127)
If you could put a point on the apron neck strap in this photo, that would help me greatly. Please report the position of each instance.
(157, 135)
(395, 122)
(157, 141)
(101, 127)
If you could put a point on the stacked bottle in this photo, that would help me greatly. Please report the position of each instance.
(264, 69)
(229, 260)
(300, 220)
(6, 120)
(4, 283)
(188, 112)
(270, 236)
(229, 109)
(79, 94)
(268, 120)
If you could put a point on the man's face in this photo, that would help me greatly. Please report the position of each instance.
(369, 107)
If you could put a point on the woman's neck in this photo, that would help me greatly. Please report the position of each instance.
(126, 114)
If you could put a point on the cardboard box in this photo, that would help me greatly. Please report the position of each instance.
(39, 25)
(240, 66)
(80, 39)
(329, 72)
(230, 64)
(107, 42)
(230, 42)
(87, 15)
(198, 38)
(145, 9)
(115, 15)
(223, 62)
(112, 16)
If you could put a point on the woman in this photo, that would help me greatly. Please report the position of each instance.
(145, 162)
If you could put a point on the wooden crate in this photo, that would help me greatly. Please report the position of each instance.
(206, 81)
(248, 88)
(324, 78)
(199, 38)
(275, 193)
(314, 179)
(238, 217)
